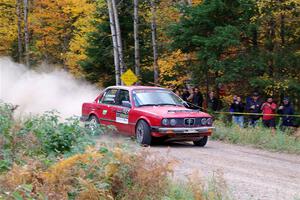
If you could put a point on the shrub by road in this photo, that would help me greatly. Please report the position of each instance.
(43, 158)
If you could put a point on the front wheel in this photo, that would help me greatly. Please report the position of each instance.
(202, 142)
(143, 133)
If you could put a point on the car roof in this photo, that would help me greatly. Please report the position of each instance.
(130, 88)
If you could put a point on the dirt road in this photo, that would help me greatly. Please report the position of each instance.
(249, 173)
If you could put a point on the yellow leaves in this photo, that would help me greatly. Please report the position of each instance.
(78, 43)
(197, 2)
(172, 68)
(8, 25)
(60, 27)
(275, 85)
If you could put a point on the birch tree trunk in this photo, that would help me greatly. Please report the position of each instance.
(114, 40)
(119, 39)
(154, 42)
(19, 30)
(136, 37)
(26, 33)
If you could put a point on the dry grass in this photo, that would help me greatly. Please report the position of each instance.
(92, 175)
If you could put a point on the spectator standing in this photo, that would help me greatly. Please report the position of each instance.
(268, 109)
(286, 109)
(234, 100)
(185, 94)
(190, 98)
(238, 107)
(254, 106)
(212, 101)
(177, 92)
(197, 98)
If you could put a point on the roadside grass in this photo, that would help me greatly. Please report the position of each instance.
(44, 158)
(258, 137)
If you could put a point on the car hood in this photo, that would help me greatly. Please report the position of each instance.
(172, 111)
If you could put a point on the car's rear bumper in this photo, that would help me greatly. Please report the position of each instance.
(182, 131)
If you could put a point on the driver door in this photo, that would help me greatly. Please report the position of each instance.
(122, 111)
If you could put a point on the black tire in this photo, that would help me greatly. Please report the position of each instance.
(202, 142)
(92, 123)
(143, 133)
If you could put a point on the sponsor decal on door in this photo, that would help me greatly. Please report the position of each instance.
(122, 116)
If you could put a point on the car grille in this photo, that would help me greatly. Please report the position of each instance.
(189, 121)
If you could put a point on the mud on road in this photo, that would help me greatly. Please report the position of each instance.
(249, 173)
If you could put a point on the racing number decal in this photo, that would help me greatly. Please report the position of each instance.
(122, 116)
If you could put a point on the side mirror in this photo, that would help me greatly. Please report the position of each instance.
(126, 104)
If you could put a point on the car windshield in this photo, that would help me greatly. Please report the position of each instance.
(151, 97)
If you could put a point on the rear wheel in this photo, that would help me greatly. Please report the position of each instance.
(92, 123)
(143, 133)
(202, 142)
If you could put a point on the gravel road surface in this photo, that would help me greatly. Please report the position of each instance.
(249, 173)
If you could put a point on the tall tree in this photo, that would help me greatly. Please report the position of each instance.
(26, 32)
(119, 37)
(19, 24)
(154, 41)
(115, 42)
(136, 37)
(99, 64)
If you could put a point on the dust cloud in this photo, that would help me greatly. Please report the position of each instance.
(43, 90)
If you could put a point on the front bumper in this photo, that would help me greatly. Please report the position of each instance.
(184, 130)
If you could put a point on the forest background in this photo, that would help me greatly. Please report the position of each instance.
(229, 46)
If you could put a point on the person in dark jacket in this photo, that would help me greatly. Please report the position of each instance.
(286, 109)
(197, 98)
(185, 94)
(213, 102)
(254, 106)
(236, 108)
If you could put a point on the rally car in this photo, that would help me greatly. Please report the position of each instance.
(149, 114)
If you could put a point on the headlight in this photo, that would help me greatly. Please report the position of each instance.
(203, 121)
(209, 121)
(165, 122)
(173, 122)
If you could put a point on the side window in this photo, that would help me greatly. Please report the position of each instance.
(109, 96)
(123, 95)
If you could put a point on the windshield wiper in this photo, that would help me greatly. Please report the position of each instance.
(166, 104)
